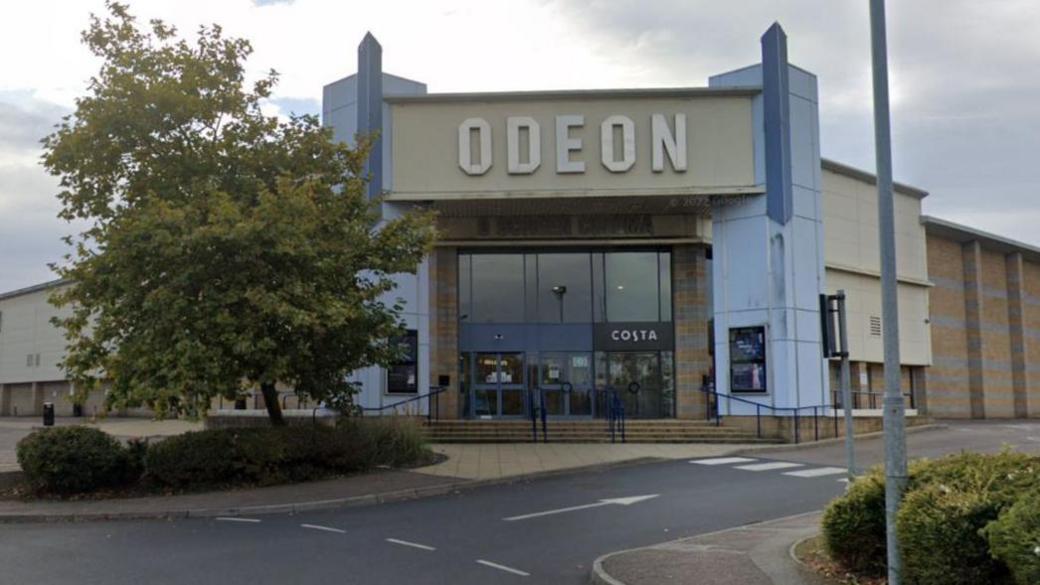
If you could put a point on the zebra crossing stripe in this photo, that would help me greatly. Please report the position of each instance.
(772, 466)
(817, 472)
(722, 460)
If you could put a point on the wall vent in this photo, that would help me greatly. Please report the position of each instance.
(875, 326)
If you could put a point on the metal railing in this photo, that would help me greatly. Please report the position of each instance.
(873, 400)
(433, 403)
(711, 409)
(538, 411)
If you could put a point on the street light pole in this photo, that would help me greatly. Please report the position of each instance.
(895, 432)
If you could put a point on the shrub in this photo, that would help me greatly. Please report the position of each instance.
(67, 460)
(271, 455)
(854, 526)
(1015, 539)
(940, 531)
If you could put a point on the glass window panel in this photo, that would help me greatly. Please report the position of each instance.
(511, 368)
(498, 288)
(564, 288)
(512, 402)
(631, 286)
(581, 370)
(599, 301)
(665, 280)
(487, 368)
(554, 369)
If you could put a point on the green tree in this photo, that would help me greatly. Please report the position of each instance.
(226, 249)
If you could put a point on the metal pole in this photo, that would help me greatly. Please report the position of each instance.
(895, 433)
(846, 389)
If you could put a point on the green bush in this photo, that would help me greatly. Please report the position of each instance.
(940, 531)
(67, 460)
(272, 455)
(1015, 538)
(854, 526)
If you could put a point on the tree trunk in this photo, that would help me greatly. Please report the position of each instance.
(274, 409)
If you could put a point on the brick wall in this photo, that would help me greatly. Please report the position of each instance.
(444, 327)
(692, 361)
(985, 318)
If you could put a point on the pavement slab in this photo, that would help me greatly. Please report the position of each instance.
(756, 554)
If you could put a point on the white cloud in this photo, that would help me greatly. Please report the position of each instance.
(964, 117)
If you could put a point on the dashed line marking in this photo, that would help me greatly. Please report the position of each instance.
(237, 519)
(503, 568)
(323, 528)
(769, 466)
(723, 460)
(818, 472)
(411, 544)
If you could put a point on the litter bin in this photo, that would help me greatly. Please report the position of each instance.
(77, 410)
(48, 414)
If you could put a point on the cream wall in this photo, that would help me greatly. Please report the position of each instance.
(25, 330)
(852, 259)
(720, 152)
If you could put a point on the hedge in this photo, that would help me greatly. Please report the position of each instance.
(943, 522)
(68, 460)
(1015, 539)
(272, 455)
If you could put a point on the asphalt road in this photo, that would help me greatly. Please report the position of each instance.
(471, 541)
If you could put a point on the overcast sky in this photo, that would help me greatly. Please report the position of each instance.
(965, 79)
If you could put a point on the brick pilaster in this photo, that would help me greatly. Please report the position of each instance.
(690, 315)
(1016, 325)
(972, 258)
(444, 327)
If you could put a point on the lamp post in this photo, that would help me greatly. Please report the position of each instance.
(559, 290)
(895, 432)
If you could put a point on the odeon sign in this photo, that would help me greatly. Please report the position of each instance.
(664, 142)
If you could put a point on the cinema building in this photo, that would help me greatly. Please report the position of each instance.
(651, 244)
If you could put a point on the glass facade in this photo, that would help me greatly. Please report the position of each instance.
(565, 331)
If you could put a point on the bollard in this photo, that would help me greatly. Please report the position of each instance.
(48, 414)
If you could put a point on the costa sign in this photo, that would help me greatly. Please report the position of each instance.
(633, 336)
(524, 144)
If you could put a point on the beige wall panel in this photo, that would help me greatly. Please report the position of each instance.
(426, 159)
(948, 377)
(851, 227)
(26, 330)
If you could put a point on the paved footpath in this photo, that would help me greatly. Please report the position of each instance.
(755, 554)
(466, 467)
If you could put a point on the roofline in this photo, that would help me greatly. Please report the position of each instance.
(963, 233)
(34, 288)
(861, 175)
(385, 74)
(573, 94)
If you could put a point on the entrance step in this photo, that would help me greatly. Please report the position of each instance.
(588, 431)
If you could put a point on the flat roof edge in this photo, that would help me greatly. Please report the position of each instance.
(943, 227)
(860, 174)
(31, 289)
(662, 92)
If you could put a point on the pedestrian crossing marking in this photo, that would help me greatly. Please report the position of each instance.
(723, 460)
(774, 465)
(817, 472)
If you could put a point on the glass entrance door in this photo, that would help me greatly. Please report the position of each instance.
(565, 383)
(643, 380)
(498, 385)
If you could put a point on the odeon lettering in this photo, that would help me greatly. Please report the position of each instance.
(524, 150)
(633, 335)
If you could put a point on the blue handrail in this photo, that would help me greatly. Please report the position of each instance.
(713, 409)
(433, 410)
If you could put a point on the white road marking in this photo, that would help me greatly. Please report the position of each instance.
(324, 528)
(722, 460)
(818, 472)
(237, 519)
(607, 502)
(411, 544)
(503, 568)
(769, 466)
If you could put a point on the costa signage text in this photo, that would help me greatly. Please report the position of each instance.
(524, 144)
